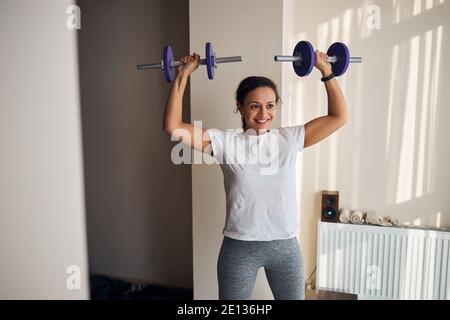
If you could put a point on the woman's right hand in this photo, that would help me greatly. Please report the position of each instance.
(322, 64)
(190, 64)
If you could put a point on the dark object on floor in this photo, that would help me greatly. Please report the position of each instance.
(105, 288)
(331, 295)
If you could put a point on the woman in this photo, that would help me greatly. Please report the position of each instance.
(261, 224)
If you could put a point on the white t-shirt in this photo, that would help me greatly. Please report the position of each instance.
(259, 180)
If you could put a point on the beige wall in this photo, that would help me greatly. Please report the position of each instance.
(138, 203)
(42, 224)
(393, 154)
(251, 29)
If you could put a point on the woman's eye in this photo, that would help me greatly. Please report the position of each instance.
(254, 106)
(269, 106)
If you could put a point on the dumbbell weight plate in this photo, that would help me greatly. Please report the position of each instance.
(210, 60)
(169, 71)
(304, 66)
(340, 50)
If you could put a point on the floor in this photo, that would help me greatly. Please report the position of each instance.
(329, 295)
(105, 288)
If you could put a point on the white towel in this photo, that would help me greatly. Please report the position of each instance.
(356, 217)
(375, 218)
(344, 215)
(391, 220)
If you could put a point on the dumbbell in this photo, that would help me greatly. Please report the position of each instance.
(168, 64)
(303, 59)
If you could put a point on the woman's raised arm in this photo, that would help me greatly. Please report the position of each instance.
(320, 128)
(173, 124)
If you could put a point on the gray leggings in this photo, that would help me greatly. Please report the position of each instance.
(239, 262)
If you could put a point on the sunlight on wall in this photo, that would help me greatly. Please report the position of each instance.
(359, 21)
(323, 35)
(433, 111)
(355, 131)
(417, 7)
(424, 113)
(438, 219)
(405, 172)
(347, 25)
(335, 31)
(396, 11)
(429, 4)
(418, 154)
(426, 143)
(403, 12)
(394, 79)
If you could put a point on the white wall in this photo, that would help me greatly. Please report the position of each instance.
(252, 29)
(42, 227)
(393, 155)
(138, 203)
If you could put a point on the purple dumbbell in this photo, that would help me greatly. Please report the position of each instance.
(303, 58)
(168, 64)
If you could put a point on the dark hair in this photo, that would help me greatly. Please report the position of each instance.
(251, 83)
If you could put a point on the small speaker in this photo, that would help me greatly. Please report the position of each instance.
(330, 206)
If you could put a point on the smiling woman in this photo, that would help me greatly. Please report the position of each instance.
(261, 224)
(257, 99)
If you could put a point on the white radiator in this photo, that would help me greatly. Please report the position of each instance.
(383, 262)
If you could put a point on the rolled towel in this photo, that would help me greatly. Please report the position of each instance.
(344, 215)
(377, 219)
(393, 221)
(373, 218)
(356, 217)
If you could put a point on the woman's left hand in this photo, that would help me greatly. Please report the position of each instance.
(322, 64)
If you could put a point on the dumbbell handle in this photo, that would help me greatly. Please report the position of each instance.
(179, 63)
(332, 59)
